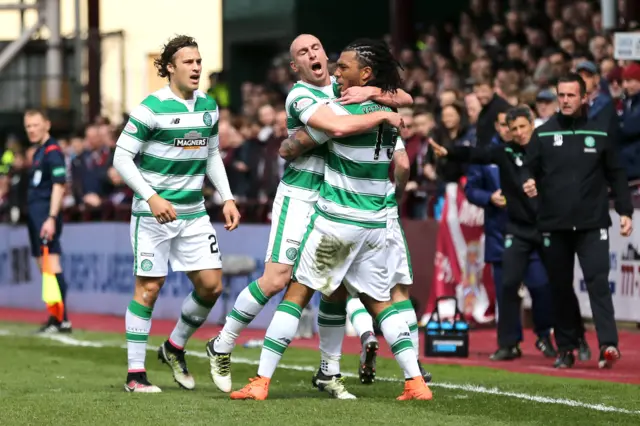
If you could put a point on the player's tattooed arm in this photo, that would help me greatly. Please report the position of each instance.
(399, 99)
(359, 94)
(401, 172)
(296, 145)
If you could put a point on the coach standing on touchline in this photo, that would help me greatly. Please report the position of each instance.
(572, 162)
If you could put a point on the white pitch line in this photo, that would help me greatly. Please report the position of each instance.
(70, 341)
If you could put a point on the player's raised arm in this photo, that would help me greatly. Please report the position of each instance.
(339, 126)
(218, 176)
(357, 94)
(137, 132)
(323, 123)
(321, 117)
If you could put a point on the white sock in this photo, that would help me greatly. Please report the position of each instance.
(406, 311)
(279, 335)
(137, 325)
(332, 319)
(360, 318)
(396, 333)
(249, 303)
(193, 314)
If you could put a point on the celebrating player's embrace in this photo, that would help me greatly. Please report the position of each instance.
(347, 201)
(334, 218)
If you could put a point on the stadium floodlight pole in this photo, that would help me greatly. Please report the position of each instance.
(10, 51)
(54, 53)
(19, 6)
(609, 9)
(78, 45)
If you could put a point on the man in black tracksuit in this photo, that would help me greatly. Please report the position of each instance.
(572, 163)
(522, 238)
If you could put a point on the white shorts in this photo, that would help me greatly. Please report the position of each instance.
(189, 244)
(400, 270)
(289, 219)
(333, 252)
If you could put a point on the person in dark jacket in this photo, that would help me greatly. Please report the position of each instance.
(483, 189)
(491, 103)
(600, 103)
(572, 164)
(630, 126)
(516, 233)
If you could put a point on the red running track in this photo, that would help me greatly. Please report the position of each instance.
(482, 344)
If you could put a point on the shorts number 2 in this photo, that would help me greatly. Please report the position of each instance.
(214, 244)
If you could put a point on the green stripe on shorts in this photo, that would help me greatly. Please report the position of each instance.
(312, 222)
(277, 243)
(406, 249)
(135, 247)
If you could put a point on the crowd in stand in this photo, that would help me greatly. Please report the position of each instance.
(459, 72)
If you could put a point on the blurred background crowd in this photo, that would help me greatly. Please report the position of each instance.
(459, 72)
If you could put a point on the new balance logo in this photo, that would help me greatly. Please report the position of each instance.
(175, 121)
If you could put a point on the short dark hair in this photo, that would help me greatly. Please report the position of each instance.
(483, 80)
(377, 55)
(502, 109)
(566, 57)
(573, 77)
(517, 112)
(36, 111)
(168, 52)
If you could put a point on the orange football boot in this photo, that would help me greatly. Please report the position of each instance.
(257, 389)
(415, 388)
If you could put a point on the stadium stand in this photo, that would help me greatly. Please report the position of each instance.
(521, 51)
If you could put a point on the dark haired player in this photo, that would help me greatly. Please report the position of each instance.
(346, 237)
(175, 130)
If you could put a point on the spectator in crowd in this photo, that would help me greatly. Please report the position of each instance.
(473, 107)
(514, 52)
(546, 106)
(18, 184)
(491, 103)
(255, 153)
(219, 89)
(454, 131)
(7, 157)
(96, 159)
(600, 103)
(77, 166)
(418, 125)
(630, 141)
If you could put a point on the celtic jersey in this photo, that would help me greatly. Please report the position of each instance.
(173, 136)
(356, 175)
(303, 176)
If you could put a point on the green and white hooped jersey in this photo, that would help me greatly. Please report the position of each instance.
(392, 204)
(303, 177)
(356, 177)
(173, 137)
